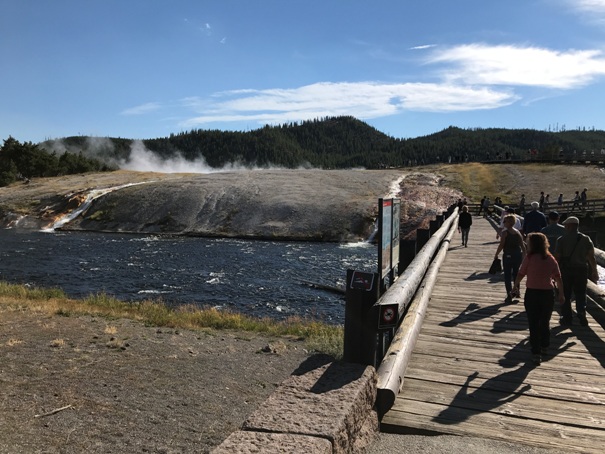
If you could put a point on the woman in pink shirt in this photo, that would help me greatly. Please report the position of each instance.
(541, 270)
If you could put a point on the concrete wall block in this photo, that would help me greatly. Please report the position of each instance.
(247, 442)
(333, 401)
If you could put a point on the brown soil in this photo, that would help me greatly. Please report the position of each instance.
(85, 384)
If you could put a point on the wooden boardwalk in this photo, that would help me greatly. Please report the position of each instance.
(471, 372)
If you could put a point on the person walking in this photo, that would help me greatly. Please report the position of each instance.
(553, 230)
(541, 269)
(560, 201)
(465, 220)
(584, 199)
(481, 205)
(512, 247)
(575, 254)
(486, 204)
(541, 201)
(507, 211)
(576, 200)
(534, 221)
(522, 205)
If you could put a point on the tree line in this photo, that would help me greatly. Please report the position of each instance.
(329, 143)
(23, 161)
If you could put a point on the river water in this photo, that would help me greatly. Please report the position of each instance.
(259, 278)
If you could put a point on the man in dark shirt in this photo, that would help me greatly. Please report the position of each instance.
(534, 221)
(575, 253)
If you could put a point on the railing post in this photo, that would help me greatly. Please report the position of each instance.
(433, 227)
(361, 329)
(407, 252)
(422, 237)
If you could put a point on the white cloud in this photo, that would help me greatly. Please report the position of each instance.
(422, 47)
(514, 66)
(364, 100)
(142, 109)
(594, 6)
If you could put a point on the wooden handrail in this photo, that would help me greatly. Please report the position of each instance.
(392, 369)
(404, 288)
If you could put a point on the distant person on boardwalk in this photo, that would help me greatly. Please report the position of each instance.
(465, 220)
(546, 203)
(541, 201)
(486, 204)
(541, 269)
(522, 205)
(481, 205)
(583, 199)
(576, 201)
(560, 201)
(534, 221)
(575, 253)
(553, 230)
(513, 248)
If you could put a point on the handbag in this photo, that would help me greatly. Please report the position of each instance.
(496, 266)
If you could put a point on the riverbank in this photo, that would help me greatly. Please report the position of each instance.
(318, 205)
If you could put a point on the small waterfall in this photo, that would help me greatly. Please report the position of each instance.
(90, 197)
(372, 237)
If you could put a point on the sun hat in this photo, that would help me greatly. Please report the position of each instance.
(535, 205)
(571, 220)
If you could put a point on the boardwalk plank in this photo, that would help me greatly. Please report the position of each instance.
(469, 373)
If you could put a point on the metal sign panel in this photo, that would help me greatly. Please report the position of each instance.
(385, 212)
(388, 316)
(362, 281)
(395, 232)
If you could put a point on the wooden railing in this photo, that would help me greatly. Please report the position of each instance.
(365, 340)
(591, 208)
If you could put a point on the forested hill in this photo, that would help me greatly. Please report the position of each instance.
(340, 142)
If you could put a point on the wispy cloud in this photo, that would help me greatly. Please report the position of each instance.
(142, 109)
(424, 46)
(594, 6)
(364, 100)
(520, 66)
(592, 10)
(469, 77)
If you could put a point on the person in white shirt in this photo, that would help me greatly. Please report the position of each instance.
(518, 225)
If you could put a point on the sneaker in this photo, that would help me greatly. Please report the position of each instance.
(536, 358)
(565, 321)
(582, 318)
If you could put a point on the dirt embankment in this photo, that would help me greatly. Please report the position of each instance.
(322, 205)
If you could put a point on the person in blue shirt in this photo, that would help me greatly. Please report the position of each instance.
(534, 220)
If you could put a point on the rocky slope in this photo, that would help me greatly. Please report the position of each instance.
(323, 205)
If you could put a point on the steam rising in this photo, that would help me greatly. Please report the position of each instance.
(144, 160)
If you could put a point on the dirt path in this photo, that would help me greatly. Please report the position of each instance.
(84, 384)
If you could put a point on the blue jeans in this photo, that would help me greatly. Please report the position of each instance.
(539, 305)
(511, 262)
(465, 235)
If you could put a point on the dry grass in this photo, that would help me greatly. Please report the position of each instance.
(509, 181)
(318, 336)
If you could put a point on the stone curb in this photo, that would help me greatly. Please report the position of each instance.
(328, 409)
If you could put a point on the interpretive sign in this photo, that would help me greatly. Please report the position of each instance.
(385, 216)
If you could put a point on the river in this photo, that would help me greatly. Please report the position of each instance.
(261, 278)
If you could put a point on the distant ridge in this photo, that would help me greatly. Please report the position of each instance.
(336, 142)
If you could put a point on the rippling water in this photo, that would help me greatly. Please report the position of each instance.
(253, 277)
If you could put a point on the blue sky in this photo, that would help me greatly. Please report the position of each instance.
(146, 68)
